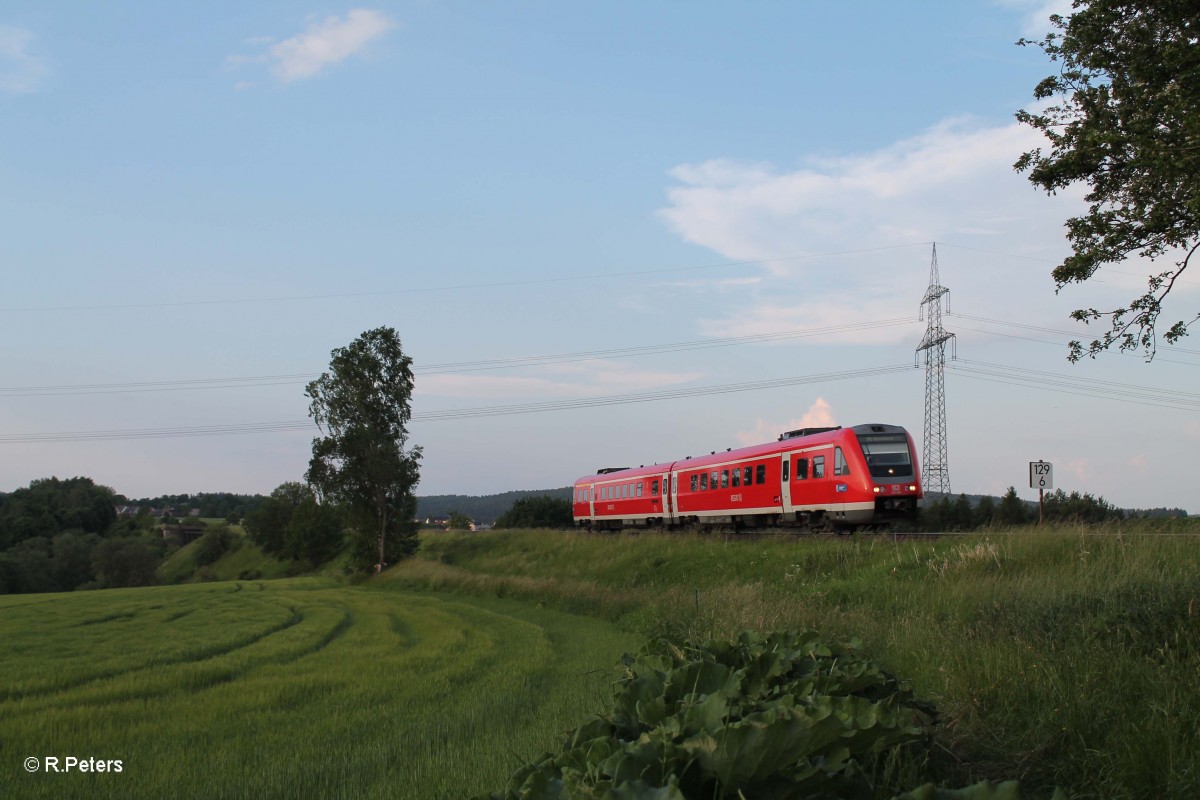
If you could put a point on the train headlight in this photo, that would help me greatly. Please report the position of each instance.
(877, 490)
(912, 487)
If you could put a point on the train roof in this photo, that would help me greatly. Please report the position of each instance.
(799, 438)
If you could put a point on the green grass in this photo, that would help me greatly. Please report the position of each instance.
(289, 688)
(1058, 657)
(244, 558)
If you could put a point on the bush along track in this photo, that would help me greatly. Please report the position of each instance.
(763, 717)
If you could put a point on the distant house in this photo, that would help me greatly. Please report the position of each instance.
(128, 511)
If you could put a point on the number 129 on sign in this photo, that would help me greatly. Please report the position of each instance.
(1041, 475)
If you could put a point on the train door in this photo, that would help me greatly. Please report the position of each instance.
(785, 483)
(828, 488)
(673, 498)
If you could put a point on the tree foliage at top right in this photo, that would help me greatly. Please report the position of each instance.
(1125, 120)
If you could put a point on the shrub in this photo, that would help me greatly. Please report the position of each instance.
(782, 715)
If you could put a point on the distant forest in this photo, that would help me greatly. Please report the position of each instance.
(483, 509)
(1130, 513)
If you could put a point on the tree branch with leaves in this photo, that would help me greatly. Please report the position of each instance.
(1127, 123)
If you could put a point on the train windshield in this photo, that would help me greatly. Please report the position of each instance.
(887, 454)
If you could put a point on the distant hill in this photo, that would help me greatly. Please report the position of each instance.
(483, 509)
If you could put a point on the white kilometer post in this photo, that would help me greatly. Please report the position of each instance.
(1041, 477)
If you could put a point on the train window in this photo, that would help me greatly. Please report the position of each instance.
(695, 482)
(818, 466)
(785, 471)
(714, 479)
(704, 481)
(639, 489)
(737, 478)
(654, 488)
(760, 473)
(624, 491)
(801, 469)
(724, 479)
(747, 475)
(840, 467)
(887, 455)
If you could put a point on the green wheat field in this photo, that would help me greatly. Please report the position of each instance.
(294, 688)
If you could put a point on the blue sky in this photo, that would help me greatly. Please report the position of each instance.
(201, 202)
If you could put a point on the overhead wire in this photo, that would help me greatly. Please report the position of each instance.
(463, 413)
(1089, 387)
(459, 287)
(976, 370)
(188, 384)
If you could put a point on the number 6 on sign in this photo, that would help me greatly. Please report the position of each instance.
(1041, 475)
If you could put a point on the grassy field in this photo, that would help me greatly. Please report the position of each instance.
(291, 688)
(1066, 657)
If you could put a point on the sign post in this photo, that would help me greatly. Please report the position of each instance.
(1041, 477)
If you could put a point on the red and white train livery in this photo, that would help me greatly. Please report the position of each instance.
(812, 477)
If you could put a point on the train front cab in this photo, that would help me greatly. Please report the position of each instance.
(890, 459)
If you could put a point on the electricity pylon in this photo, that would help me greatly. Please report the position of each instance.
(935, 460)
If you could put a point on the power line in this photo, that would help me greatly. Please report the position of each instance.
(1157, 359)
(978, 370)
(667, 394)
(1173, 347)
(1087, 387)
(455, 287)
(463, 413)
(188, 384)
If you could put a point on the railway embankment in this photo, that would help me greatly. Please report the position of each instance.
(1065, 656)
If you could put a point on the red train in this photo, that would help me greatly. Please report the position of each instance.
(812, 477)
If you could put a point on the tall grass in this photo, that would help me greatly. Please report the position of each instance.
(1067, 656)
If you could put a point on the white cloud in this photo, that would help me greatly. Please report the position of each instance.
(1035, 22)
(323, 44)
(21, 71)
(841, 319)
(955, 179)
(819, 415)
(326, 43)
